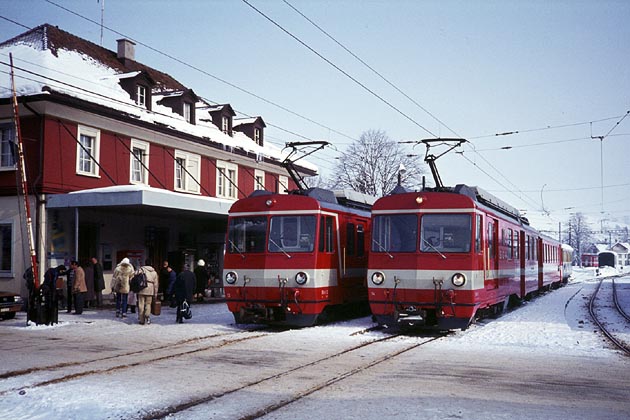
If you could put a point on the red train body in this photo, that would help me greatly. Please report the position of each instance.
(290, 259)
(440, 258)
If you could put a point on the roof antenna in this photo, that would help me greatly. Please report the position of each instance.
(102, 17)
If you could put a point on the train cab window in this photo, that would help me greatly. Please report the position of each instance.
(395, 233)
(246, 234)
(360, 240)
(350, 239)
(446, 233)
(292, 234)
(326, 234)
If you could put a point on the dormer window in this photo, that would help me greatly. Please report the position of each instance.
(138, 85)
(141, 96)
(252, 127)
(179, 101)
(222, 117)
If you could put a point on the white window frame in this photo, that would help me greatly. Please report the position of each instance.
(190, 177)
(82, 157)
(141, 95)
(283, 184)
(225, 124)
(259, 179)
(257, 132)
(4, 272)
(7, 137)
(133, 161)
(227, 172)
(187, 111)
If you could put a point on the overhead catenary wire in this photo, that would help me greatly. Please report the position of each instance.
(349, 76)
(191, 66)
(391, 84)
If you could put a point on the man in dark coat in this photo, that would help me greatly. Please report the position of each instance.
(99, 281)
(201, 275)
(184, 288)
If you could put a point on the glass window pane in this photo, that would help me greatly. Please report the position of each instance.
(395, 233)
(292, 234)
(446, 233)
(247, 234)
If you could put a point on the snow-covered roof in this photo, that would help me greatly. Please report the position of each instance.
(47, 59)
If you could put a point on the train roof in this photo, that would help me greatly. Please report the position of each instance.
(338, 199)
(480, 196)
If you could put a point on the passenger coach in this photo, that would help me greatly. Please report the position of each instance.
(440, 258)
(294, 259)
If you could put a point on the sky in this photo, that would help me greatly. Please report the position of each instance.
(555, 74)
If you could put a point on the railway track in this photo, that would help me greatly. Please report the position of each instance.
(21, 380)
(298, 381)
(606, 317)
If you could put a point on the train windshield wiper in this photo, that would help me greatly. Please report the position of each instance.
(236, 248)
(279, 247)
(382, 248)
(434, 248)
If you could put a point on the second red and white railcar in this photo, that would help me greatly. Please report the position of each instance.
(440, 258)
(291, 259)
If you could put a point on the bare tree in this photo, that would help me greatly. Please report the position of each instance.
(371, 165)
(579, 233)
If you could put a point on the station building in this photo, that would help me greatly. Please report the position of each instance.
(121, 159)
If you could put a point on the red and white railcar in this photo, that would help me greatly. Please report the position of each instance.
(291, 259)
(440, 258)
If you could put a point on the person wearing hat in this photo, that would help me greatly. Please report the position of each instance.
(201, 280)
(120, 285)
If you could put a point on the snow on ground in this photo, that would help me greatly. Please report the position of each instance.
(554, 324)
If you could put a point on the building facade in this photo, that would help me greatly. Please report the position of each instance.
(121, 160)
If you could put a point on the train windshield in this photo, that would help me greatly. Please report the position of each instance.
(247, 234)
(292, 234)
(395, 233)
(445, 233)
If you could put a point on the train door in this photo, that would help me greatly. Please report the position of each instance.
(328, 237)
(492, 254)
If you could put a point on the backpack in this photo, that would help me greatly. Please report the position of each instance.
(138, 281)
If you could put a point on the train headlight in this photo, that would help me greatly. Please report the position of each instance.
(378, 278)
(231, 277)
(301, 278)
(458, 279)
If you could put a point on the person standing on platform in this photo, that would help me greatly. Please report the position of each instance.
(99, 281)
(146, 295)
(120, 285)
(79, 288)
(184, 288)
(201, 276)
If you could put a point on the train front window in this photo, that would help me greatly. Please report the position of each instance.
(292, 234)
(247, 234)
(395, 233)
(445, 233)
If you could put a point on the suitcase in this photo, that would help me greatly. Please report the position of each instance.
(156, 307)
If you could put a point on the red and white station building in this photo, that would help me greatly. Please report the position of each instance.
(122, 159)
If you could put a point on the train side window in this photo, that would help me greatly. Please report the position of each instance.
(350, 239)
(517, 244)
(326, 234)
(478, 233)
(490, 236)
(360, 240)
(510, 244)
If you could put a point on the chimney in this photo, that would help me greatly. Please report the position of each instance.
(126, 50)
